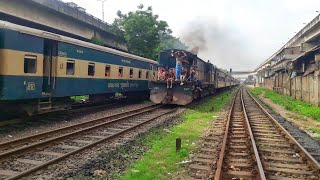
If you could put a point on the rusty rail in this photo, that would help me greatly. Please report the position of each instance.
(254, 146)
(235, 160)
(218, 173)
(307, 155)
(28, 142)
(283, 156)
(97, 138)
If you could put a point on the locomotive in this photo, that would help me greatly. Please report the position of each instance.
(208, 80)
(40, 71)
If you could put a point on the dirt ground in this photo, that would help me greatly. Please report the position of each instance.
(305, 123)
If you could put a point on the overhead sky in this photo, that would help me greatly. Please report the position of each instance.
(239, 34)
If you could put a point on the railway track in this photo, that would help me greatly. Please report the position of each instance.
(21, 157)
(75, 128)
(256, 146)
(238, 157)
(310, 144)
(77, 109)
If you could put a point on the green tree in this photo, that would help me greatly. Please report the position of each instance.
(97, 41)
(143, 33)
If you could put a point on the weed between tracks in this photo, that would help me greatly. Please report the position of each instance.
(160, 161)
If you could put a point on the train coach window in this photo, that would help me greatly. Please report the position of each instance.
(140, 73)
(91, 69)
(108, 71)
(120, 73)
(147, 75)
(30, 64)
(70, 67)
(131, 73)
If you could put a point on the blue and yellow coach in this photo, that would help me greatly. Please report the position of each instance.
(40, 71)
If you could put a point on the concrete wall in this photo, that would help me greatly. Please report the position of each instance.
(268, 83)
(31, 11)
(304, 88)
(43, 16)
(286, 84)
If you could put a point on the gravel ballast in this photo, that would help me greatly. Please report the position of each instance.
(31, 128)
(109, 158)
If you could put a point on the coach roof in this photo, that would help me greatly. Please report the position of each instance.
(48, 35)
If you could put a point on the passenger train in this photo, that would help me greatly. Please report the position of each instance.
(40, 72)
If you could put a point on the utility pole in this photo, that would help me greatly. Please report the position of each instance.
(102, 2)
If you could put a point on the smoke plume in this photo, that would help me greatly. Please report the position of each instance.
(220, 44)
(195, 39)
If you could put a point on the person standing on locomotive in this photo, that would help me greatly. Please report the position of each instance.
(180, 58)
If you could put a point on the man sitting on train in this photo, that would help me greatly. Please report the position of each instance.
(170, 77)
(161, 74)
(197, 85)
(192, 73)
(184, 71)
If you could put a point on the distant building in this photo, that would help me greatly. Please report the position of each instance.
(250, 80)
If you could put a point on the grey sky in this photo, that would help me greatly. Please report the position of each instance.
(239, 34)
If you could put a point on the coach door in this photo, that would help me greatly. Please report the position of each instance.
(50, 52)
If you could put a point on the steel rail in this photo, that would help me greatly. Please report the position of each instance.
(25, 173)
(54, 131)
(254, 145)
(260, 172)
(305, 153)
(23, 149)
(74, 109)
(218, 173)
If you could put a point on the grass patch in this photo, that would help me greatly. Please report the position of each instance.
(256, 91)
(289, 103)
(315, 130)
(161, 159)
